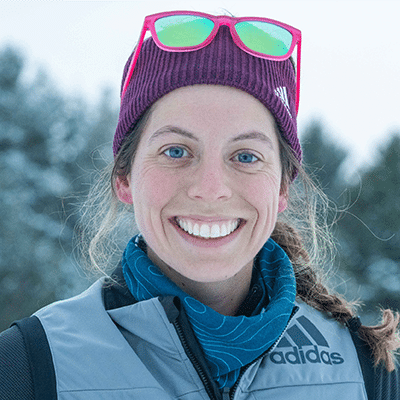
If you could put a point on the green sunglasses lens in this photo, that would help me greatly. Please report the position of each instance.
(264, 37)
(183, 30)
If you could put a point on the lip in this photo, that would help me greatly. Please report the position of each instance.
(210, 242)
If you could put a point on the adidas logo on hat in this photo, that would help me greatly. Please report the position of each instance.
(303, 343)
(281, 92)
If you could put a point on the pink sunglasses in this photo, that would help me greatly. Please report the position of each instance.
(178, 31)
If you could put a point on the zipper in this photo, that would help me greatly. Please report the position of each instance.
(228, 394)
(246, 367)
(194, 361)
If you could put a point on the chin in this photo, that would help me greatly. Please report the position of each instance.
(208, 273)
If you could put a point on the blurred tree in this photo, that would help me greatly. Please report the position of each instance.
(10, 68)
(324, 159)
(368, 225)
(370, 243)
(46, 143)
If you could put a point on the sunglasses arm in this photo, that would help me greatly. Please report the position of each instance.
(298, 75)
(134, 59)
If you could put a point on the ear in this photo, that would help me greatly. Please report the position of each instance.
(283, 198)
(123, 189)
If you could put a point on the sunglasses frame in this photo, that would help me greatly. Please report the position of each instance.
(219, 20)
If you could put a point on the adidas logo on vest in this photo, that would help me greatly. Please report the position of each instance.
(303, 343)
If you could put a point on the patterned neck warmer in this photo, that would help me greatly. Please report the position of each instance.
(228, 342)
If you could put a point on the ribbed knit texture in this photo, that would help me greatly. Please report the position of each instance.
(159, 72)
(228, 342)
(15, 372)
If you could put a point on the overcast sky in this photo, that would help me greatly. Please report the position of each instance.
(350, 76)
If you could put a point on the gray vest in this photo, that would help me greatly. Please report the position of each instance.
(314, 359)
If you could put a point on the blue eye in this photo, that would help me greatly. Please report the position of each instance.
(246, 158)
(176, 152)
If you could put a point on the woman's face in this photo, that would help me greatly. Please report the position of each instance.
(206, 182)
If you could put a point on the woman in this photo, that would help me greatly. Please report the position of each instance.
(217, 296)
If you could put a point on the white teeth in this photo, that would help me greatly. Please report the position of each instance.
(215, 231)
(224, 230)
(189, 227)
(204, 231)
(208, 231)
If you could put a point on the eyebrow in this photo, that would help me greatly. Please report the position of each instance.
(254, 135)
(172, 129)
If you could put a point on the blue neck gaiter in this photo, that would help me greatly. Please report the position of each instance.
(228, 342)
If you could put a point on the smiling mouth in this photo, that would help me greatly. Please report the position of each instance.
(208, 230)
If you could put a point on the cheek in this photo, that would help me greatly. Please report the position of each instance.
(263, 193)
(152, 189)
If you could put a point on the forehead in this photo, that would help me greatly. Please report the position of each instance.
(219, 110)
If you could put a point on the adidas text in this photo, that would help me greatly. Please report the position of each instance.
(301, 356)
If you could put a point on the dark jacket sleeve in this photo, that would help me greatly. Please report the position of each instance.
(387, 384)
(15, 376)
(379, 383)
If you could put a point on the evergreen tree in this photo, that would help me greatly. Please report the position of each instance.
(324, 157)
(44, 159)
(370, 231)
(368, 226)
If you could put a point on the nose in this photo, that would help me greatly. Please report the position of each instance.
(210, 183)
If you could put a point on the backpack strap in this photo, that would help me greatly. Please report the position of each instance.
(37, 346)
(39, 356)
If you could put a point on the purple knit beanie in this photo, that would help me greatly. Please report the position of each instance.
(222, 62)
